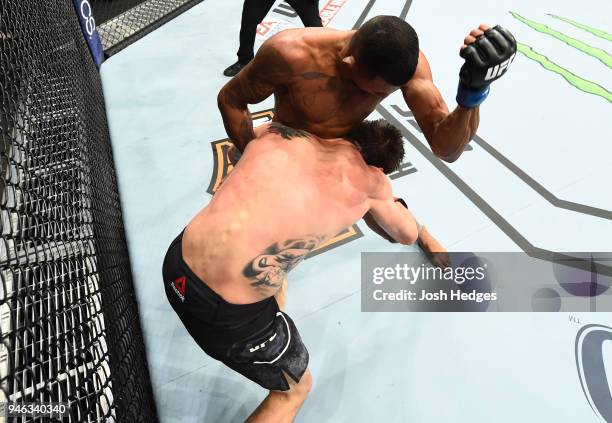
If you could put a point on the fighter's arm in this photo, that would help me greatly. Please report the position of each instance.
(488, 52)
(447, 133)
(388, 217)
(269, 70)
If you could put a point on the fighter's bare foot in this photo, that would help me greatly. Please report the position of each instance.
(432, 248)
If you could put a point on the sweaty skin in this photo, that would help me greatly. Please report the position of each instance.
(318, 87)
(289, 193)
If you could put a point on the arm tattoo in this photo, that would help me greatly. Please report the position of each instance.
(268, 270)
(287, 132)
(254, 90)
(278, 67)
(233, 98)
(244, 90)
(256, 82)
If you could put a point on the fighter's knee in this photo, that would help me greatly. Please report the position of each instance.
(300, 389)
(305, 383)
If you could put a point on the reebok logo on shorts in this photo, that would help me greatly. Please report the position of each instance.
(178, 285)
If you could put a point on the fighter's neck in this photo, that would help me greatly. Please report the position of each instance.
(332, 142)
(344, 43)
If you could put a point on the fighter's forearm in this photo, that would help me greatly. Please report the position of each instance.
(449, 137)
(488, 52)
(237, 119)
(374, 226)
(406, 228)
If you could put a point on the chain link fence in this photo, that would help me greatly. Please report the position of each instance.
(69, 323)
(120, 23)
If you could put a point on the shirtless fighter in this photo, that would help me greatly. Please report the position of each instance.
(326, 81)
(290, 192)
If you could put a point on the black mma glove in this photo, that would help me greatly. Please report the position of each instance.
(486, 60)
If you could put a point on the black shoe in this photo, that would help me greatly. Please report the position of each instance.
(234, 69)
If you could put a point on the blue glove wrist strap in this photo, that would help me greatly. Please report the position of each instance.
(467, 97)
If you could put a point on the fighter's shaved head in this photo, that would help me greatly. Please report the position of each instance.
(388, 47)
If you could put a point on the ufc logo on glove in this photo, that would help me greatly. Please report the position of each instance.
(498, 70)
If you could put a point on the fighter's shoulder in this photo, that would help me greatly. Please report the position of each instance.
(378, 186)
(288, 45)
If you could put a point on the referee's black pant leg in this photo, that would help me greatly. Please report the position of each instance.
(308, 11)
(253, 12)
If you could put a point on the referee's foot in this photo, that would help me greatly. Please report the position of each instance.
(234, 69)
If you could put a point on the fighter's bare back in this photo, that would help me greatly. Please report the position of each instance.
(259, 225)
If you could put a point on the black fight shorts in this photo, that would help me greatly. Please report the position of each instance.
(256, 340)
